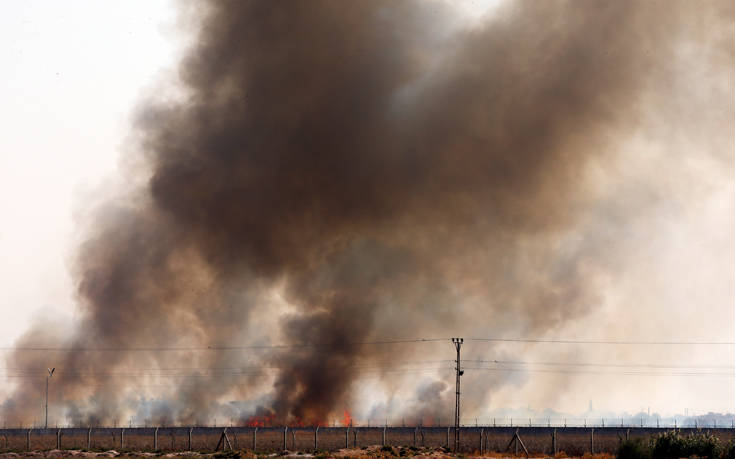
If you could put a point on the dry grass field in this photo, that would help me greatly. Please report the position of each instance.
(334, 441)
(374, 452)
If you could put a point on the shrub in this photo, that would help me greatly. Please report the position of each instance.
(706, 446)
(729, 452)
(633, 449)
(672, 445)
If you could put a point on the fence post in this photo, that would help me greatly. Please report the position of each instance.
(447, 437)
(189, 442)
(553, 441)
(285, 431)
(384, 427)
(354, 433)
(482, 438)
(89, 438)
(316, 438)
(347, 437)
(592, 441)
(415, 429)
(155, 439)
(423, 437)
(28, 440)
(627, 434)
(122, 438)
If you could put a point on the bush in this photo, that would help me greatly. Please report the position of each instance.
(672, 445)
(706, 446)
(730, 450)
(633, 449)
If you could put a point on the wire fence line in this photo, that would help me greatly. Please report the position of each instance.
(629, 422)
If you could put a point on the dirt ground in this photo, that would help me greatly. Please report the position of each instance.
(373, 452)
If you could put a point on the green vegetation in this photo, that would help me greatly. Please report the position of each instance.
(633, 449)
(671, 445)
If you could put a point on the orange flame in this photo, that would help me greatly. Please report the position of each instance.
(260, 421)
(347, 419)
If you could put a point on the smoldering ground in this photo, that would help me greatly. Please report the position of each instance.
(380, 171)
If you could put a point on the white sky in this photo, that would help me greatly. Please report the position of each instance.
(71, 74)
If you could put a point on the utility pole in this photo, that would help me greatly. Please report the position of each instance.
(50, 372)
(458, 345)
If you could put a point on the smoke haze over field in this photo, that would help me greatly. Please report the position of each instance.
(335, 173)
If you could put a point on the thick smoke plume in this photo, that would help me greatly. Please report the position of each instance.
(335, 173)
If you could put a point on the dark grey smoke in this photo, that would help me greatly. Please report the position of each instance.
(390, 175)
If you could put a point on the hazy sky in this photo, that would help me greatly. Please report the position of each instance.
(74, 71)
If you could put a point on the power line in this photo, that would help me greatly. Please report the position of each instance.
(145, 370)
(595, 364)
(401, 367)
(591, 372)
(385, 365)
(613, 342)
(217, 348)
(358, 343)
